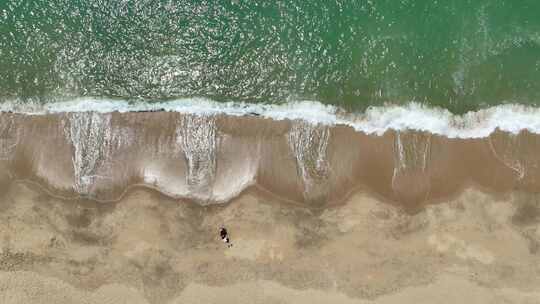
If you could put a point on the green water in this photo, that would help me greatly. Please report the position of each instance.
(460, 55)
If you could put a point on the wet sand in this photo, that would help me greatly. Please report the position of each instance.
(148, 248)
(213, 159)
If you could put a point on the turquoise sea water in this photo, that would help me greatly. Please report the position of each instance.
(456, 54)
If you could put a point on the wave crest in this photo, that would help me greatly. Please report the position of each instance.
(511, 118)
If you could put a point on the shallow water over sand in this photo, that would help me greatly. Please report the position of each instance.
(212, 159)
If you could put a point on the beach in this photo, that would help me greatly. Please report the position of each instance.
(126, 207)
(147, 248)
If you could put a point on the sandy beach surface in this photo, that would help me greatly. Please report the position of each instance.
(147, 248)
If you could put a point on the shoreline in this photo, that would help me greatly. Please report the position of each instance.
(375, 120)
(212, 159)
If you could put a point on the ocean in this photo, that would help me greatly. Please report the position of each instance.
(459, 55)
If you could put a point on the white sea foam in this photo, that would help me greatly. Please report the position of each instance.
(510, 118)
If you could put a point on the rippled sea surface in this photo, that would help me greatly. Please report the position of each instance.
(460, 55)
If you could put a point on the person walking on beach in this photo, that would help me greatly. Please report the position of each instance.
(225, 237)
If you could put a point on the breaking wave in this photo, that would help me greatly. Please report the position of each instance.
(510, 118)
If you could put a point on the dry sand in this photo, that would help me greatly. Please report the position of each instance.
(148, 248)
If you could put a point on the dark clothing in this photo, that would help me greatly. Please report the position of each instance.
(223, 233)
(225, 236)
